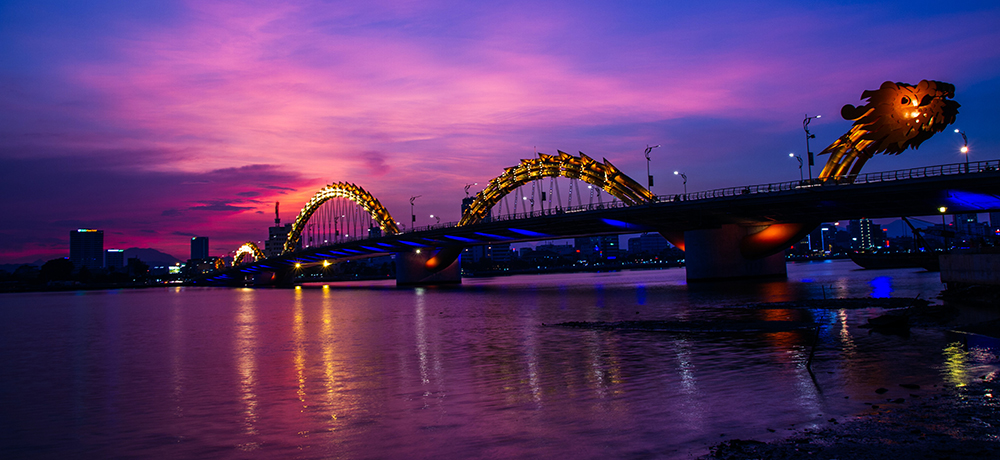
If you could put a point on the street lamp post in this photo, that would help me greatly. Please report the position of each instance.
(649, 177)
(805, 127)
(800, 164)
(685, 177)
(467, 188)
(944, 226)
(436, 217)
(965, 148)
(413, 217)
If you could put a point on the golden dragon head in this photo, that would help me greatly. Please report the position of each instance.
(897, 116)
(900, 116)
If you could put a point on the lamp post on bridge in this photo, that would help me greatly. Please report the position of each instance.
(805, 127)
(436, 217)
(800, 165)
(965, 148)
(413, 217)
(649, 177)
(685, 177)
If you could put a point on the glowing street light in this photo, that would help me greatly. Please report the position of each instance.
(805, 127)
(467, 188)
(685, 177)
(800, 164)
(649, 177)
(965, 148)
(436, 217)
(413, 217)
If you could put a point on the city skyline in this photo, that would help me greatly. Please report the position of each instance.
(160, 123)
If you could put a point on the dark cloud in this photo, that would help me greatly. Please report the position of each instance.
(374, 161)
(248, 194)
(171, 213)
(219, 206)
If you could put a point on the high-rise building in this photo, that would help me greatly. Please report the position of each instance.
(86, 248)
(277, 235)
(199, 248)
(604, 247)
(114, 259)
(649, 243)
(865, 234)
(967, 225)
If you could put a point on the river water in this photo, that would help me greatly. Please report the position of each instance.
(366, 370)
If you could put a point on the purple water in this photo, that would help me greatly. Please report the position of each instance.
(371, 371)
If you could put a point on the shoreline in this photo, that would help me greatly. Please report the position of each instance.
(956, 422)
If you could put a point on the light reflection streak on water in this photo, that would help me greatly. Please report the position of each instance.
(847, 346)
(430, 365)
(691, 410)
(881, 287)
(299, 335)
(177, 348)
(531, 354)
(329, 359)
(956, 365)
(246, 343)
(597, 381)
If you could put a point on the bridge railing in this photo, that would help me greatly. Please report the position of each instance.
(867, 178)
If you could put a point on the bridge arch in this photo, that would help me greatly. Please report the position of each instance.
(347, 190)
(603, 175)
(248, 249)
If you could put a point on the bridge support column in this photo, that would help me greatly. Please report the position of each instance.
(414, 268)
(715, 254)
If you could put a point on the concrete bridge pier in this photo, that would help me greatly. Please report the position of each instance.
(429, 266)
(716, 254)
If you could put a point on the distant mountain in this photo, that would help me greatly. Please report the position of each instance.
(151, 256)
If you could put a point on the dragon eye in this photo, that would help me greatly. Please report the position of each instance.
(905, 100)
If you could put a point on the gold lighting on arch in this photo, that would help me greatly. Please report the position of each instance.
(604, 175)
(347, 190)
(248, 249)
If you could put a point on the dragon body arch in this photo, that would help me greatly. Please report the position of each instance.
(248, 249)
(604, 175)
(352, 192)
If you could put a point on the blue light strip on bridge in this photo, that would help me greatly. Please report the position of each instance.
(459, 238)
(488, 235)
(625, 225)
(372, 249)
(529, 233)
(413, 244)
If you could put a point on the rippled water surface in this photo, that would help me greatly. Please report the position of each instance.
(372, 371)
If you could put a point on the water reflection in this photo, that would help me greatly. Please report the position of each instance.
(299, 339)
(468, 372)
(246, 362)
(881, 287)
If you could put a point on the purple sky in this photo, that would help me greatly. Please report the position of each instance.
(158, 121)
